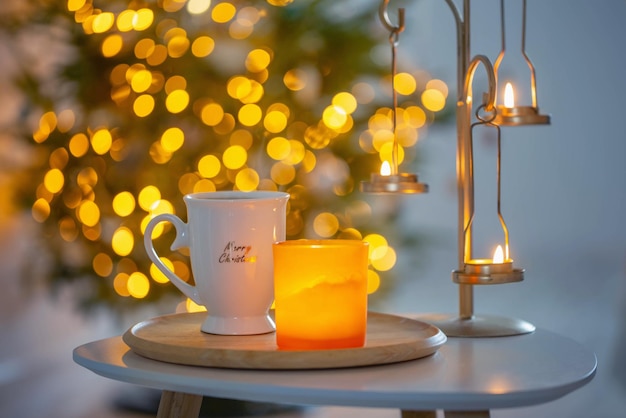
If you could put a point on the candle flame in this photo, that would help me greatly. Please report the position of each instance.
(509, 96)
(385, 169)
(498, 255)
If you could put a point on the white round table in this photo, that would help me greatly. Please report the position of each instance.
(466, 377)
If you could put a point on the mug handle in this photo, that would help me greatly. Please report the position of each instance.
(181, 240)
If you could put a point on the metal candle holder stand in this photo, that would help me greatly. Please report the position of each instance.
(471, 271)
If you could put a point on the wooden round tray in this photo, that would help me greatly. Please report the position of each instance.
(178, 339)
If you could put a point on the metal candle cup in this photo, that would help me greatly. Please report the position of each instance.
(320, 290)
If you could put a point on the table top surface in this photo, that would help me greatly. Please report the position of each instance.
(464, 374)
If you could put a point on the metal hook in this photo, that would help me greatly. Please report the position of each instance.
(384, 18)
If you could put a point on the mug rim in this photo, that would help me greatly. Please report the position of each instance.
(235, 196)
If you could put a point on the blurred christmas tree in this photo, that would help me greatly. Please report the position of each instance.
(140, 102)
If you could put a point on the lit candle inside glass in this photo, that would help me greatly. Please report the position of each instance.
(509, 96)
(385, 169)
(500, 263)
(498, 255)
(320, 291)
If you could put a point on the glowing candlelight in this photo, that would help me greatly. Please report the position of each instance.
(509, 96)
(320, 289)
(385, 169)
(498, 255)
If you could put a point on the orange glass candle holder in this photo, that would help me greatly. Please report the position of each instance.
(320, 291)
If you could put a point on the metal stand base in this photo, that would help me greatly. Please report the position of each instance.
(478, 326)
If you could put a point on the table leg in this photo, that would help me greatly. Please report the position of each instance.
(466, 414)
(179, 405)
(419, 414)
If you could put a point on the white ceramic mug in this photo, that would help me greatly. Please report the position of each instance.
(230, 237)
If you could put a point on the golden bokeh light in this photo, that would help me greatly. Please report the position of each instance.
(386, 152)
(172, 139)
(112, 45)
(147, 196)
(433, 100)
(247, 180)
(250, 115)
(226, 125)
(373, 281)
(54, 180)
(334, 117)
(177, 46)
(235, 157)
(295, 79)
(223, 12)
(414, 116)
(297, 152)
(256, 93)
(186, 182)
(123, 241)
(143, 105)
(75, 5)
(438, 85)
(282, 173)
(141, 81)
(278, 148)
(202, 46)
(326, 225)
(144, 47)
(40, 210)
(161, 206)
(375, 241)
(191, 306)
(143, 19)
(196, 7)
(405, 84)
(212, 114)
(204, 185)
(103, 22)
(79, 145)
(58, 158)
(157, 56)
(120, 284)
(241, 137)
(383, 258)
(88, 213)
(102, 264)
(239, 87)
(275, 121)
(257, 60)
(177, 101)
(209, 166)
(156, 274)
(346, 101)
(124, 204)
(138, 285)
(125, 20)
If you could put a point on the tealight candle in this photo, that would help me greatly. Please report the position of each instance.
(320, 291)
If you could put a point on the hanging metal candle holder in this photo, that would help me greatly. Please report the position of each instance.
(472, 272)
(499, 269)
(393, 181)
(510, 113)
